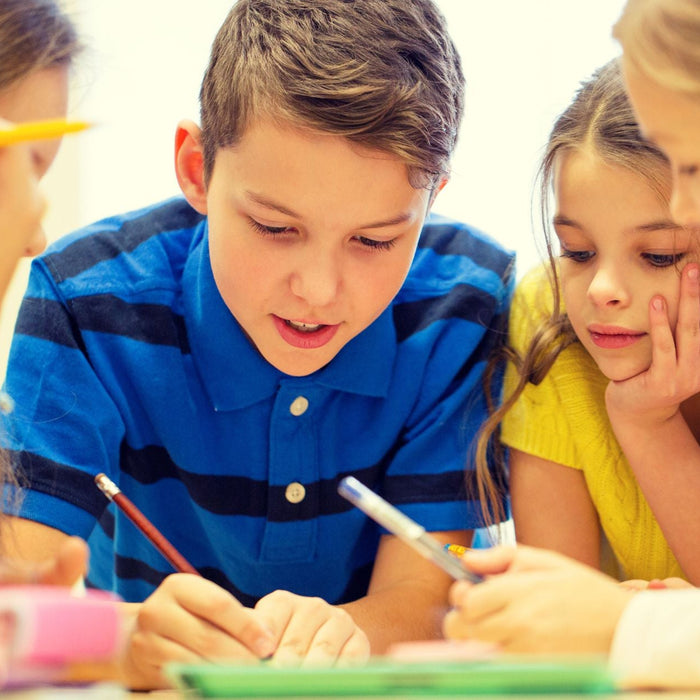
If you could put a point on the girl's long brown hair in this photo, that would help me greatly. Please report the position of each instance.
(599, 118)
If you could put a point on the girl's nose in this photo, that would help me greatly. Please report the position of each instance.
(607, 288)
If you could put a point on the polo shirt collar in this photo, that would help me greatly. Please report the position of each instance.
(236, 375)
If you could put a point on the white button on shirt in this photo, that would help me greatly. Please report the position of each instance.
(299, 405)
(295, 492)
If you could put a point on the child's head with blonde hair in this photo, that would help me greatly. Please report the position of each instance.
(662, 37)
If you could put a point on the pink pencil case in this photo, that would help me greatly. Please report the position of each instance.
(45, 629)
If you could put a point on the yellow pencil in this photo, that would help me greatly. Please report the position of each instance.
(34, 131)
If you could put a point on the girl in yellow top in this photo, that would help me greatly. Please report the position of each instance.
(602, 395)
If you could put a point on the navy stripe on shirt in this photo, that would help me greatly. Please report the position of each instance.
(128, 568)
(444, 240)
(86, 252)
(241, 495)
(155, 324)
(413, 316)
(39, 318)
(59, 480)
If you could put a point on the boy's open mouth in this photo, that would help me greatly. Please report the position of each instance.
(304, 327)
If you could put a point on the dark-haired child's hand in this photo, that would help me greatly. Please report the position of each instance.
(189, 619)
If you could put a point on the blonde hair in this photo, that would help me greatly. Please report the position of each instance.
(662, 38)
(382, 73)
(599, 119)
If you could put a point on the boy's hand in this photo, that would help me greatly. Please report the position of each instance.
(190, 619)
(654, 396)
(310, 632)
(535, 601)
(65, 569)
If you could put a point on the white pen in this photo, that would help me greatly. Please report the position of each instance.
(403, 527)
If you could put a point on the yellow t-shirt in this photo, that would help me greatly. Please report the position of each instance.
(564, 420)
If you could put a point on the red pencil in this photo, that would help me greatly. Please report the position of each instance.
(111, 490)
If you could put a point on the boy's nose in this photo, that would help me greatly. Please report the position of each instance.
(608, 288)
(317, 281)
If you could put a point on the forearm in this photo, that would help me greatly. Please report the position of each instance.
(402, 612)
(666, 463)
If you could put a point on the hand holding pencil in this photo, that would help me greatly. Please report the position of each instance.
(190, 619)
(187, 618)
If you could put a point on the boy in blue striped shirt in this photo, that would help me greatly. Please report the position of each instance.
(228, 357)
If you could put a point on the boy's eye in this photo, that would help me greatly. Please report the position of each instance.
(268, 230)
(376, 245)
(579, 256)
(663, 260)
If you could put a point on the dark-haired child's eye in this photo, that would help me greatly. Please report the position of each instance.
(663, 259)
(579, 256)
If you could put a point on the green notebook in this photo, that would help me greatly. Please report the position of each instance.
(383, 677)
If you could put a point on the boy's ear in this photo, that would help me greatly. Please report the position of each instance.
(436, 190)
(189, 164)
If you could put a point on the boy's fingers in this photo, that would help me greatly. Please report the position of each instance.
(229, 625)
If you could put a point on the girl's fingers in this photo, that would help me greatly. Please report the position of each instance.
(688, 326)
(663, 346)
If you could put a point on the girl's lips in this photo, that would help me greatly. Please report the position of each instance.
(305, 339)
(613, 338)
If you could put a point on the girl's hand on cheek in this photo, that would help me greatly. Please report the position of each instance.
(655, 396)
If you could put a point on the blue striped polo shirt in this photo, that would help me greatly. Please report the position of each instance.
(127, 361)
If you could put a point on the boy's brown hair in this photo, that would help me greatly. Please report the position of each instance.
(382, 73)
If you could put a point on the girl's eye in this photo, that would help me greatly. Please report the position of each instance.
(268, 230)
(579, 256)
(376, 245)
(663, 260)
(688, 170)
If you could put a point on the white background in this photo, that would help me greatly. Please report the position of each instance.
(523, 60)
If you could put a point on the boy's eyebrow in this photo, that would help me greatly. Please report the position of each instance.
(271, 204)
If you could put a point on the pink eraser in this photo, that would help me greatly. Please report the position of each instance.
(46, 627)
